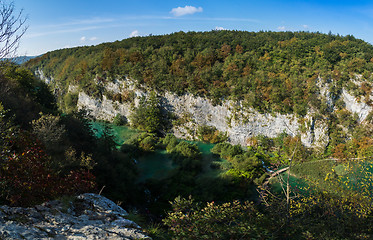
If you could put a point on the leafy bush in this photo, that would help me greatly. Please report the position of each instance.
(170, 141)
(147, 142)
(210, 134)
(119, 120)
(27, 177)
(226, 150)
(70, 101)
(232, 220)
(188, 157)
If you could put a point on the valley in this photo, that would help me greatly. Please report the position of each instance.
(185, 129)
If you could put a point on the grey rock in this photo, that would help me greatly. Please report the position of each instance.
(101, 204)
(360, 108)
(231, 117)
(88, 216)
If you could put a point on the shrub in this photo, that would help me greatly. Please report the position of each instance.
(226, 150)
(170, 141)
(210, 134)
(232, 220)
(119, 120)
(27, 177)
(148, 142)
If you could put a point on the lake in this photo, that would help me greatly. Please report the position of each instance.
(158, 164)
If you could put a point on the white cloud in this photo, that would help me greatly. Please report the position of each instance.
(181, 11)
(45, 33)
(305, 26)
(219, 28)
(281, 28)
(85, 39)
(81, 22)
(134, 33)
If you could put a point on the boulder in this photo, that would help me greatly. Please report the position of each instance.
(87, 216)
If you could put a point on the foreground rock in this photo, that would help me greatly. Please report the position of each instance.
(88, 216)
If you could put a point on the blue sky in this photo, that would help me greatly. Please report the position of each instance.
(58, 24)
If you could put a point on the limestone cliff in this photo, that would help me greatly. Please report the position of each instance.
(239, 122)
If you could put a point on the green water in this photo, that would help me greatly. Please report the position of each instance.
(121, 133)
(297, 185)
(208, 157)
(155, 165)
(158, 164)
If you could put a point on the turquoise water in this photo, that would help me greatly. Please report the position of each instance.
(155, 165)
(158, 164)
(208, 157)
(297, 185)
(121, 133)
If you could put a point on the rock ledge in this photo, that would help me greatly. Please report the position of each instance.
(87, 216)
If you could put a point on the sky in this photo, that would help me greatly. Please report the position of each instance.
(56, 24)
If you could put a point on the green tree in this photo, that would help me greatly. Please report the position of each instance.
(148, 115)
(49, 130)
(7, 132)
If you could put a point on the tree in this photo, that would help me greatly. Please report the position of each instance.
(12, 28)
(49, 130)
(148, 115)
(6, 134)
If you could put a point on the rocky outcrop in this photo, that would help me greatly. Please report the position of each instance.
(360, 108)
(88, 216)
(230, 117)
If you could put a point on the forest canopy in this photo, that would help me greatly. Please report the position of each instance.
(270, 71)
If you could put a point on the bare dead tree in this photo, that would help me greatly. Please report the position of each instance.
(12, 28)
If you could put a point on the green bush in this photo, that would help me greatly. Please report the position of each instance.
(120, 120)
(210, 134)
(226, 150)
(70, 101)
(148, 142)
(170, 142)
(232, 220)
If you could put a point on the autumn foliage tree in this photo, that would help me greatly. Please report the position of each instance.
(27, 176)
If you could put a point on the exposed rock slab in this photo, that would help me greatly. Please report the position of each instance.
(88, 216)
(360, 108)
(229, 117)
(239, 124)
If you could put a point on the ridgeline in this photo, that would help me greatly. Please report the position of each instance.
(269, 71)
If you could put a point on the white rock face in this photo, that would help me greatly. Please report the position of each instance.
(229, 117)
(360, 108)
(107, 109)
(88, 216)
(104, 109)
(41, 75)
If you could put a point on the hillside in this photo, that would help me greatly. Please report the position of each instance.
(300, 100)
(243, 83)
(270, 71)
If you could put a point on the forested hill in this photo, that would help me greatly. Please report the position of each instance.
(270, 71)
